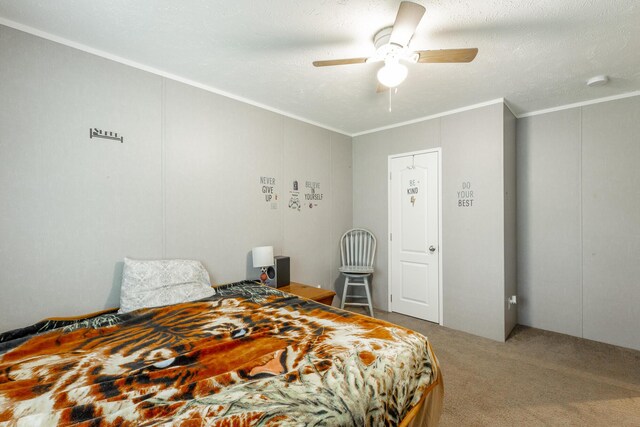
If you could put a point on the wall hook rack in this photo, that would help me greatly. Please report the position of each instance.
(97, 133)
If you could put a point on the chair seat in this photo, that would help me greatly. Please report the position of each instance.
(356, 269)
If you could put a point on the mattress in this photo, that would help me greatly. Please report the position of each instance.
(248, 355)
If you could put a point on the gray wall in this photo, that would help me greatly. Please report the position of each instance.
(473, 238)
(73, 207)
(185, 182)
(510, 220)
(579, 221)
(549, 233)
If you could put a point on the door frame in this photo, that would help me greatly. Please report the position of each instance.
(389, 225)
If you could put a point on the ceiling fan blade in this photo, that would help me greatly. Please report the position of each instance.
(407, 20)
(381, 88)
(447, 55)
(331, 62)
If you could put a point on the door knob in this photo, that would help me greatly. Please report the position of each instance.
(432, 249)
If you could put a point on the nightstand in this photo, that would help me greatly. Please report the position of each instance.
(322, 296)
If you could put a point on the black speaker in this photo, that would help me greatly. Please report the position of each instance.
(278, 274)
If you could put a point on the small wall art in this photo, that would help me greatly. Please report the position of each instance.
(97, 133)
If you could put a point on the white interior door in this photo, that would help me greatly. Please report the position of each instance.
(414, 235)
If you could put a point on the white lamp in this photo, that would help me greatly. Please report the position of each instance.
(262, 258)
(392, 74)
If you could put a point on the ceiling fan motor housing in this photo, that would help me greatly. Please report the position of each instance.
(382, 37)
(390, 51)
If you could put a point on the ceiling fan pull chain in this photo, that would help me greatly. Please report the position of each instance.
(395, 91)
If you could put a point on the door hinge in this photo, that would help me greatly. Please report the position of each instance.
(389, 176)
(391, 237)
(391, 298)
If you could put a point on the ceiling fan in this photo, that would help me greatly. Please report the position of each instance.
(392, 46)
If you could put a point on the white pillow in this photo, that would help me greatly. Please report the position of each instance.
(162, 282)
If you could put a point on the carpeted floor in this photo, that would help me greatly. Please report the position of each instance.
(536, 378)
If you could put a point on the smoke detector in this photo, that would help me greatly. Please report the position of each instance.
(597, 81)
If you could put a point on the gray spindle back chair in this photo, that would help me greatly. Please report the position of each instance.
(357, 252)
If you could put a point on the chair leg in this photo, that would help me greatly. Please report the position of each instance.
(344, 292)
(366, 288)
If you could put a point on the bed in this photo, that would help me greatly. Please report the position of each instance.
(248, 355)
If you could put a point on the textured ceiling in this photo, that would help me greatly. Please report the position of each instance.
(536, 54)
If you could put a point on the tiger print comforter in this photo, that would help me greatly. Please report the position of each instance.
(249, 355)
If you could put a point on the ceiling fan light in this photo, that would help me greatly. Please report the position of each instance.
(392, 74)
